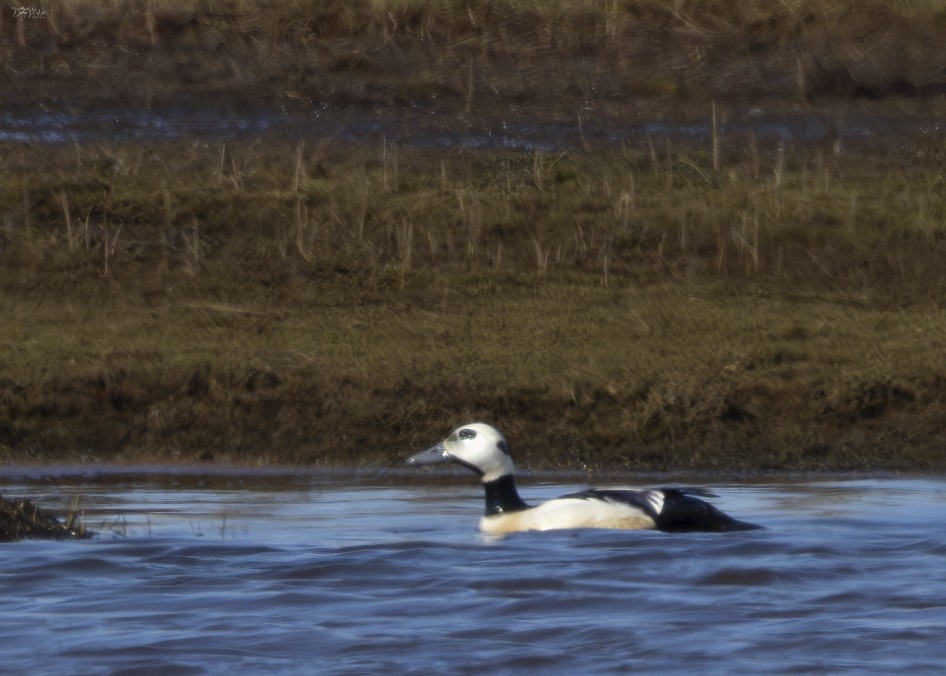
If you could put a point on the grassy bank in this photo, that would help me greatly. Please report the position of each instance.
(653, 304)
(290, 301)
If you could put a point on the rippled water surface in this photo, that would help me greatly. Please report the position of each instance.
(309, 572)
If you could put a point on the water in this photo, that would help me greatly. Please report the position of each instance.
(422, 129)
(384, 572)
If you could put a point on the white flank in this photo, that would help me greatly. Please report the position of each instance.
(569, 513)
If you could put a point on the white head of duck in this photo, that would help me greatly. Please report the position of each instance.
(483, 449)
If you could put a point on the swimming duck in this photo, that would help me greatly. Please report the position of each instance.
(483, 449)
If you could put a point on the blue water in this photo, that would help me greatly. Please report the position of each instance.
(384, 572)
(427, 130)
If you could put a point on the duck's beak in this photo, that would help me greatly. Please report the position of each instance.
(432, 456)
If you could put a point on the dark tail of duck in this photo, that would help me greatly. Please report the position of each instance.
(684, 513)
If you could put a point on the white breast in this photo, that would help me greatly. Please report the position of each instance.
(569, 513)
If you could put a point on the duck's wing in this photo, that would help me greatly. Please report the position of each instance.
(672, 509)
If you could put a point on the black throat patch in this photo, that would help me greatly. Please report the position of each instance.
(502, 496)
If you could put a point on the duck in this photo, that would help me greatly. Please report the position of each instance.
(483, 449)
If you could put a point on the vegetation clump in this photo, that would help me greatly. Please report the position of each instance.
(21, 519)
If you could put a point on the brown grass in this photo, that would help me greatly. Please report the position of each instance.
(471, 56)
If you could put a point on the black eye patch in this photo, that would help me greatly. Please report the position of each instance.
(467, 434)
(502, 446)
